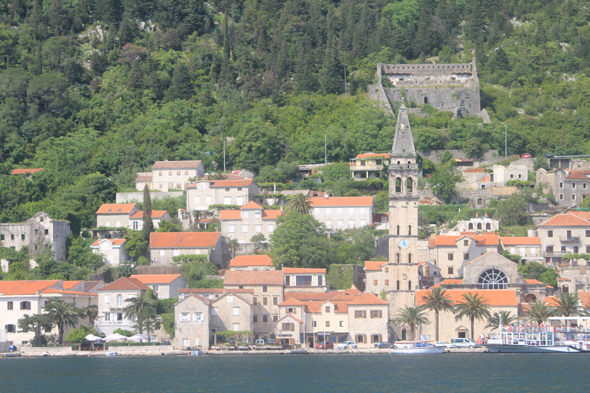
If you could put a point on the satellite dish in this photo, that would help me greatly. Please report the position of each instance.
(326, 196)
(325, 289)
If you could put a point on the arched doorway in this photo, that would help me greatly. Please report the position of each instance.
(565, 289)
(493, 279)
(530, 298)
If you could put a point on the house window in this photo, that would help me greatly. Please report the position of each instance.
(466, 257)
(258, 228)
(107, 299)
(314, 323)
(549, 249)
(236, 311)
(465, 242)
(561, 196)
(386, 270)
(264, 288)
(119, 301)
(563, 249)
(587, 249)
(255, 319)
(450, 270)
(386, 283)
(185, 317)
(236, 327)
(275, 300)
(22, 237)
(397, 285)
(107, 316)
(320, 281)
(12, 236)
(245, 228)
(257, 214)
(264, 300)
(360, 338)
(375, 282)
(10, 328)
(587, 233)
(291, 310)
(549, 233)
(360, 313)
(376, 313)
(576, 249)
(573, 185)
(162, 253)
(560, 185)
(227, 189)
(327, 309)
(375, 338)
(450, 256)
(288, 327)
(327, 324)
(340, 323)
(271, 228)
(10, 306)
(1, 237)
(232, 229)
(488, 226)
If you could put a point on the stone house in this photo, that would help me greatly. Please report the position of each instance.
(157, 216)
(478, 224)
(204, 193)
(565, 234)
(167, 175)
(111, 302)
(37, 233)
(297, 279)
(569, 187)
(20, 298)
(192, 320)
(343, 212)
(112, 251)
(115, 215)
(250, 220)
(251, 262)
(164, 246)
(368, 319)
(529, 248)
(164, 286)
(376, 276)
(230, 311)
(214, 293)
(268, 294)
(368, 165)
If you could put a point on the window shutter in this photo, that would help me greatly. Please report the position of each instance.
(380, 316)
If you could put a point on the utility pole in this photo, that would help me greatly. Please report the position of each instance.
(345, 85)
(505, 141)
(325, 150)
(223, 155)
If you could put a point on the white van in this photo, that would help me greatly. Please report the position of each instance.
(464, 342)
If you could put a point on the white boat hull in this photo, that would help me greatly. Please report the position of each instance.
(493, 348)
(417, 350)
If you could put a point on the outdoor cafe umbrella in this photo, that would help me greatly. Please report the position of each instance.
(114, 337)
(92, 337)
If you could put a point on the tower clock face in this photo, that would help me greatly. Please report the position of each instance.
(403, 243)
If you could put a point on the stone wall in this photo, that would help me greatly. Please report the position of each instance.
(174, 269)
(490, 157)
(129, 197)
(139, 350)
(461, 101)
(48, 350)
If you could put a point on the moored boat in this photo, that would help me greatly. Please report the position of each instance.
(520, 339)
(416, 347)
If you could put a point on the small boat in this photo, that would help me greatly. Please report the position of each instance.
(521, 339)
(111, 353)
(197, 352)
(415, 347)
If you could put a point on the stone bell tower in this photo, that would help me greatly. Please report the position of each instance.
(403, 218)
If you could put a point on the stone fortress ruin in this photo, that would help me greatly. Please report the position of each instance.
(447, 87)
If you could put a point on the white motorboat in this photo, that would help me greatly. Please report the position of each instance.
(521, 339)
(416, 347)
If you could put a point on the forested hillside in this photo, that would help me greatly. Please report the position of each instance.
(95, 90)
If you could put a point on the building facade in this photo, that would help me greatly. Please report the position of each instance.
(247, 222)
(569, 187)
(164, 246)
(115, 215)
(204, 193)
(565, 234)
(112, 300)
(164, 286)
(368, 165)
(112, 251)
(168, 175)
(339, 213)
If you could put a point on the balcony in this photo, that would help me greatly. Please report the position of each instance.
(105, 323)
(569, 239)
(553, 254)
(369, 168)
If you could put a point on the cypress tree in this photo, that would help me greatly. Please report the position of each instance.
(135, 80)
(148, 225)
(226, 49)
(181, 85)
(331, 72)
(304, 76)
(38, 63)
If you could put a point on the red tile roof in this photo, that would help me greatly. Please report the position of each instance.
(116, 208)
(583, 214)
(25, 287)
(451, 281)
(494, 297)
(230, 183)
(552, 301)
(521, 241)
(125, 284)
(65, 292)
(271, 214)
(485, 179)
(156, 278)
(577, 175)
(25, 171)
(251, 260)
(373, 155)
(345, 295)
(474, 170)
(70, 284)
(115, 242)
(213, 290)
(143, 178)
(374, 265)
(292, 302)
(270, 277)
(176, 164)
(532, 281)
(251, 205)
(230, 215)
(154, 214)
(183, 239)
(584, 298)
(565, 220)
(342, 201)
(367, 298)
(482, 240)
(294, 270)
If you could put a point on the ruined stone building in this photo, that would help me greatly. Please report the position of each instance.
(447, 87)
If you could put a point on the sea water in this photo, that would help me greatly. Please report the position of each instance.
(497, 373)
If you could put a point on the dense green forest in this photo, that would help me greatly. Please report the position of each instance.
(96, 90)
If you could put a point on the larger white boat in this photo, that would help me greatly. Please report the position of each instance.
(521, 339)
(415, 347)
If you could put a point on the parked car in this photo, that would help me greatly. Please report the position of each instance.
(260, 341)
(348, 345)
(444, 344)
(464, 342)
(383, 344)
(12, 348)
(271, 341)
(548, 155)
(325, 345)
(526, 155)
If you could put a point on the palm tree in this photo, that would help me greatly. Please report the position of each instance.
(567, 304)
(138, 305)
(412, 317)
(539, 311)
(232, 245)
(503, 317)
(62, 314)
(92, 313)
(300, 203)
(437, 300)
(474, 307)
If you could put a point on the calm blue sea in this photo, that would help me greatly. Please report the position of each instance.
(497, 373)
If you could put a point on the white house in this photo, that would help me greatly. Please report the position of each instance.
(165, 286)
(112, 251)
(136, 219)
(164, 246)
(168, 175)
(343, 212)
(250, 220)
(205, 193)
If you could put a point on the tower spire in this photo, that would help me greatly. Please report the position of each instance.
(403, 144)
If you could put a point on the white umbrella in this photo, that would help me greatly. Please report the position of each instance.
(137, 338)
(92, 337)
(115, 337)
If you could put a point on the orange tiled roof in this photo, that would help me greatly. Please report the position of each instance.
(482, 240)
(116, 208)
(213, 290)
(25, 171)
(65, 292)
(532, 281)
(521, 241)
(156, 278)
(584, 298)
(70, 284)
(25, 287)
(552, 300)
(143, 178)
(230, 183)
(251, 205)
(292, 302)
(176, 164)
(565, 220)
(341, 201)
(271, 214)
(237, 214)
(373, 155)
(451, 281)
(494, 297)
(367, 298)
(125, 284)
(345, 295)
(183, 239)
(583, 214)
(577, 175)
(251, 260)
(294, 270)
(316, 306)
(270, 277)
(115, 242)
(154, 214)
(485, 179)
(374, 265)
(474, 170)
